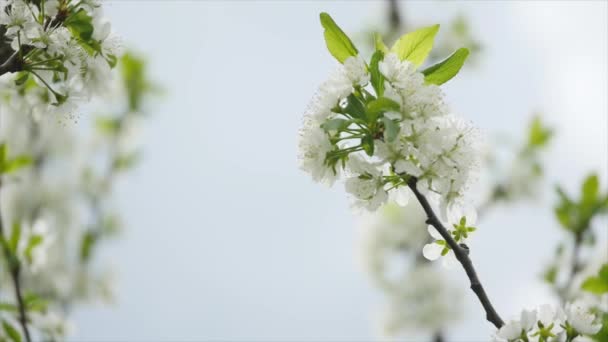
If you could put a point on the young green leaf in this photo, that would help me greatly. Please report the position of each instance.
(377, 79)
(446, 69)
(538, 134)
(382, 104)
(379, 43)
(590, 190)
(368, 145)
(416, 46)
(81, 25)
(354, 107)
(34, 241)
(11, 331)
(15, 237)
(15, 164)
(599, 284)
(338, 43)
(2, 154)
(22, 78)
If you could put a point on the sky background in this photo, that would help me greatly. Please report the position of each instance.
(227, 239)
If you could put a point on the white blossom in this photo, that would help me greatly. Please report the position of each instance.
(581, 318)
(365, 183)
(314, 145)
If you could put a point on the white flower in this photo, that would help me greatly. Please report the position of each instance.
(51, 8)
(510, 331)
(17, 17)
(528, 319)
(313, 146)
(356, 70)
(395, 70)
(365, 184)
(439, 248)
(579, 316)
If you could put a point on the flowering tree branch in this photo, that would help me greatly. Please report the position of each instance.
(461, 253)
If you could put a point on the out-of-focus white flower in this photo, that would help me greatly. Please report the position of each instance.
(422, 305)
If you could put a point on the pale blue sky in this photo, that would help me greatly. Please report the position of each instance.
(227, 240)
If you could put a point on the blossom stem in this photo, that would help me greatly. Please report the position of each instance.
(14, 271)
(461, 253)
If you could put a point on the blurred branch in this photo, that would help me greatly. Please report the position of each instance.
(14, 271)
(462, 254)
(394, 16)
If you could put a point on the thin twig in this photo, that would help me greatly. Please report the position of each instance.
(461, 253)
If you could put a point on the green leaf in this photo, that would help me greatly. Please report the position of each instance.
(11, 331)
(379, 43)
(112, 60)
(377, 79)
(354, 107)
(590, 190)
(86, 246)
(22, 78)
(597, 285)
(448, 68)
(3, 154)
(338, 43)
(368, 145)
(133, 70)
(33, 242)
(81, 25)
(550, 275)
(107, 125)
(13, 241)
(381, 105)
(416, 46)
(391, 129)
(336, 124)
(34, 302)
(538, 134)
(125, 161)
(8, 307)
(16, 163)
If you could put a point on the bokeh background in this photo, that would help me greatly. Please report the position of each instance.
(227, 240)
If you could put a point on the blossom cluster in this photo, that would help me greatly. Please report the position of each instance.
(55, 54)
(547, 324)
(381, 124)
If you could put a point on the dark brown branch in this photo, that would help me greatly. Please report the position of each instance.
(15, 270)
(461, 253)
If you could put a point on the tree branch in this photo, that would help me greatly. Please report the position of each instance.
(461, 253)
(14, 270)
